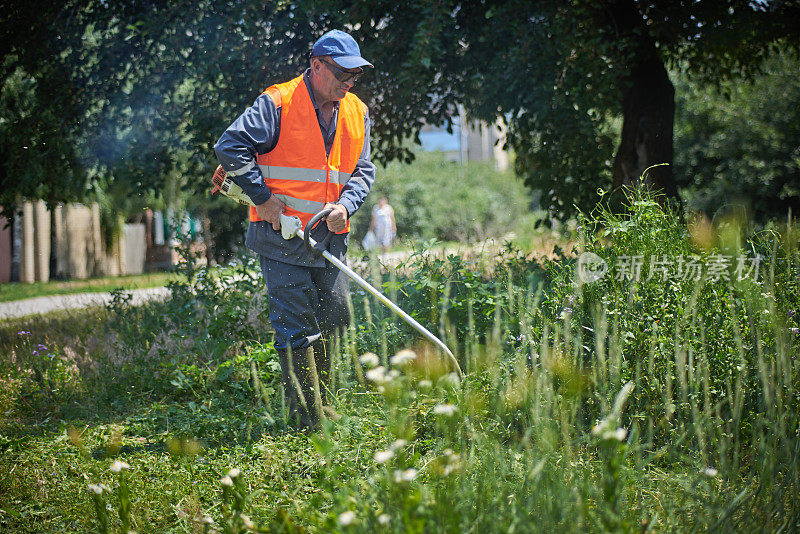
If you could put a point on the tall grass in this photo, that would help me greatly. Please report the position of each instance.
(661, 403)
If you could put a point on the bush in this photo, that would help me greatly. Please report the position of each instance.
(437, 199)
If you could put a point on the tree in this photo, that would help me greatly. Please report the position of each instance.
(40, 108)
(741, 143)
(573, 79)
(146, 87)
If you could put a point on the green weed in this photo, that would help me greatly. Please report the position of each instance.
(610, 403)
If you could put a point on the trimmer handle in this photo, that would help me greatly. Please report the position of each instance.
(317, 248)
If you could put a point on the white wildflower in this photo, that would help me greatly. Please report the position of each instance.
(614, 435)
(384, 519)
(453, 462)
(96, 488)
(410, 474)
(425, 384)
(383, 456)
(403, 357)
(233, 473)
(710, 472)
(370, 359)
(377, 375)
(600, 428)
(447, 410)
(226, 481)
(398, 444)
(208, 520)
(405, 476)
(105, 488)
(119, 465)
(605, 431)
(346, 518)
(450, 468)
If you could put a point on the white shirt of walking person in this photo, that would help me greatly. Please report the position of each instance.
(383, 225)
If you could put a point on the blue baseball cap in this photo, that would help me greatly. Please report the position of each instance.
(342, 48)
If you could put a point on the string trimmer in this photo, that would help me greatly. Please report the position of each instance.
(292, 227)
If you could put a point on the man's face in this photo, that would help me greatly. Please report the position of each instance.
(326, 84)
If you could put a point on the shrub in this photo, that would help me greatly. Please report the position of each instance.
(436, 199)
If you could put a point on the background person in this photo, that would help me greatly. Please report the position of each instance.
(383, 224)
(301, 147)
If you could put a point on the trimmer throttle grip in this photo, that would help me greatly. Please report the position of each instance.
(320, 245)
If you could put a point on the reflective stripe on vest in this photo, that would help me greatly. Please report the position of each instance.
(297, 170)
(302, 175)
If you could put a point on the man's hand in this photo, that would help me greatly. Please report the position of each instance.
(271, 211)
(337, 220)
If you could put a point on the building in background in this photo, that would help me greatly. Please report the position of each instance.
(469, 141)
(68, 243)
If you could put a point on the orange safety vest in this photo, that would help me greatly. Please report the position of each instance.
(297, 170)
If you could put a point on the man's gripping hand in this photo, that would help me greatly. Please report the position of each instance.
(337, 220)
(271, 211)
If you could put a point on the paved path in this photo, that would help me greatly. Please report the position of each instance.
(38, 305)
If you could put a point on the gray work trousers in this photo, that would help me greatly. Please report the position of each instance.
(305, 303)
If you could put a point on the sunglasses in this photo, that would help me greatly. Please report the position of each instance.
(344, 76)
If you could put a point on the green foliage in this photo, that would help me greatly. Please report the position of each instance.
(436, 199)
(562, 75)
(670, 313)
(37, 156)
(737, 144)
(137, 93)
(612, 405)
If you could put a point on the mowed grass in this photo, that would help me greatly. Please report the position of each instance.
(616, 406)
(19, 291)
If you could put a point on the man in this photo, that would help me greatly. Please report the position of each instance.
(301, 147)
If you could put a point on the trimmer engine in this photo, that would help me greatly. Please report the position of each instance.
(223, 184)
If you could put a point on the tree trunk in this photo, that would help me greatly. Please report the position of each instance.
(648, 107)
(648, 103)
